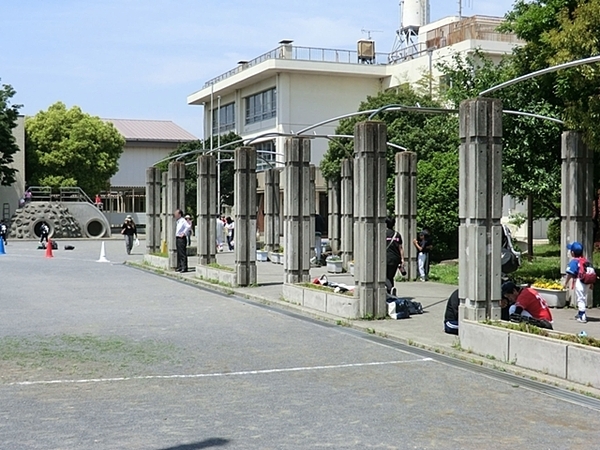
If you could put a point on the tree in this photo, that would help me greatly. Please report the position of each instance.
(227, 169)
(8, 143)
(531, 160)
(558, 31)
(435, 140)
(71, 148)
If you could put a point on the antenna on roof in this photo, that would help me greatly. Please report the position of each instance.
(368, 32)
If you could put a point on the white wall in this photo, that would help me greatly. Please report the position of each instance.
(11, 194)
(134, 161)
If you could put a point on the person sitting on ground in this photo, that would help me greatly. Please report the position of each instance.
(451, 315)
(526, 302)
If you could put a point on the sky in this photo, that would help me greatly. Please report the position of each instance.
(140, 59)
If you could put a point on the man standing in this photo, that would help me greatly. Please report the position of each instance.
(181, 230)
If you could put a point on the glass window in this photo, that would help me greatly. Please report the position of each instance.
(266, 151)
(224, 119)
(261, 106)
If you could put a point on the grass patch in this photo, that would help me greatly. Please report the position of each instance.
(444, 273)
(217, 282)
(221, 267)
(160, 254)
(82, 355)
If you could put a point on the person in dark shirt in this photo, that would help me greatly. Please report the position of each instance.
(451, 315)
(394, 251)
(319, 231)
(129, 230)
(424, 245)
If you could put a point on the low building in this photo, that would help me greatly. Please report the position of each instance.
(146, 142)
(10, 195)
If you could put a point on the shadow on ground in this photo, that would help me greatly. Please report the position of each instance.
(211, 442)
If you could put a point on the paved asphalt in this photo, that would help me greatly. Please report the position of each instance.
(106, 356)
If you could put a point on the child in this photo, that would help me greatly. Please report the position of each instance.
(580, 289)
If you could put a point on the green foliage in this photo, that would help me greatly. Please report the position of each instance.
(558, 31)
(435, 140)
(227, 170)
(71, 148)
(8, 143)
(554, 232)
(531, 147)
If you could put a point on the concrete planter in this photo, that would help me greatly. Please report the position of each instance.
(568, 360)
(262, 256)
(157, 261)
(554, 297)
(334, 266)
(211, 274)
(276, 258)
(338, 305)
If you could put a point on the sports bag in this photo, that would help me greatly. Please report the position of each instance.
(398, 308)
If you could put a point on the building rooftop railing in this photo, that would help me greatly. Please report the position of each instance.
(476, 27)
(301, 54)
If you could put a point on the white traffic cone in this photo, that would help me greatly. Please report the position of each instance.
(103, 254)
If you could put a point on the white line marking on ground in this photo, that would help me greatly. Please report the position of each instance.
(218, 374)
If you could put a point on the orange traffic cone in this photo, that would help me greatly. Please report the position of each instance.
(49, 249)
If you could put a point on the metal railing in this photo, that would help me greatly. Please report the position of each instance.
(64, 194)
(300, 54)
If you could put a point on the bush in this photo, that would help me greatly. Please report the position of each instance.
(554, 232)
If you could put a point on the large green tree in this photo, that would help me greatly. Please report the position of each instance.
(67, 147)
(435, 140)
(558, 31)
(8, 143)
(195, 148)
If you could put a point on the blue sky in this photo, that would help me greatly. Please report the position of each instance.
(140, 59)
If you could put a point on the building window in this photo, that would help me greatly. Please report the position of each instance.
(261, 106)
(265, 152)
(223, 120)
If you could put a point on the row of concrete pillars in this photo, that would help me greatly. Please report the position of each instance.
(357, 209)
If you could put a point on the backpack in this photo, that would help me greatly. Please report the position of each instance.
(586, 272)
(398, 308)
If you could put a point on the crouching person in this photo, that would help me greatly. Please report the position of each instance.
(527, 304)
(451, 315)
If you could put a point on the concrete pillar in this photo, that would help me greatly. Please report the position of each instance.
(164, 213)
(334, 224)
(406, 208)
(272, 212)
(296, 211)
(245, 215)
(153, 209)
(175, 200)
(480, 208)
(370, 180)
(313, 206)
(347, 212)
(207, 209)
(576, 198)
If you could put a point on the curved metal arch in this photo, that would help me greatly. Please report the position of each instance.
(537, 73)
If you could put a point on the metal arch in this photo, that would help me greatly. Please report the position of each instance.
(537, 73)
(425, 110)
(535, 116)
(335, 119)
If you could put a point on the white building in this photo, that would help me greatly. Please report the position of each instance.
(293, 87)
(10, 195)
(146, 142)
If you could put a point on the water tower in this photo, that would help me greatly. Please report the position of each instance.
(414, 14)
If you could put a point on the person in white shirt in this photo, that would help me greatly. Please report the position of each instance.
(230, 227)
(181, 230)
(220, 228)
